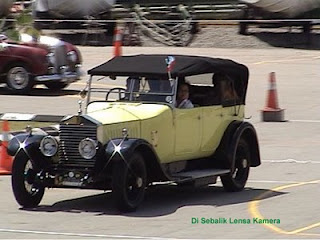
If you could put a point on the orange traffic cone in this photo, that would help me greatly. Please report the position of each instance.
(5, 159)
(117, 41)
(272, 112)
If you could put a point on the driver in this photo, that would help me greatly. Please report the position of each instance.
(183, 96)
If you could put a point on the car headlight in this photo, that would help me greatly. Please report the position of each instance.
(49, 146)
(51, 59)
(72, 56)
(87, 148)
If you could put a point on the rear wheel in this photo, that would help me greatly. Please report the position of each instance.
(129, 181)
(56, 86)
(236, 180)
(26, 191)
(19, 80)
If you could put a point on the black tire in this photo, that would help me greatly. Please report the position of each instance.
(18, 79)
(56, 86)
(27, 193)
(237, 180)
(129, 180)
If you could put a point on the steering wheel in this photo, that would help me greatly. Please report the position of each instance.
(121, 92)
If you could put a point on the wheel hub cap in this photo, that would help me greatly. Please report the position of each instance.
(244, 163)
(18, 77)
(139, 182)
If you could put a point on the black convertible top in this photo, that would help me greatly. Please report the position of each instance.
(154, 65)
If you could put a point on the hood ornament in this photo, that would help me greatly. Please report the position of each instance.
(83, 94)
(80, 102)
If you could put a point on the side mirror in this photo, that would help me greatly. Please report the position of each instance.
(112, 77)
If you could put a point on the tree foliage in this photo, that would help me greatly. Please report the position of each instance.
(21, 22)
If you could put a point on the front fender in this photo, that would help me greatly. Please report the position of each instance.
(121, 150)
(24, 141)
(30, 142)
(26, 145)
(117, 149)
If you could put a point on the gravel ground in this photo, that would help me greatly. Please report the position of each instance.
(221, 36)
(228, 37)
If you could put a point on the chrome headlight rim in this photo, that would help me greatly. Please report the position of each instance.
(72, 56)
(86, 145)
(44, 146)
(51, 59)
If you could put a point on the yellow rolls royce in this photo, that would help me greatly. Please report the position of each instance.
(136, 134)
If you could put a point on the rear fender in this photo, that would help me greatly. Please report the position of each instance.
(226, 151)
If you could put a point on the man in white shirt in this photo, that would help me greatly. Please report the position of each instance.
(183, 97)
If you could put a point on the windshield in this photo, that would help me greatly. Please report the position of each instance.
(155, 90)
(133, 89)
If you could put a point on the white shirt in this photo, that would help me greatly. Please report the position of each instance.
(186, 103)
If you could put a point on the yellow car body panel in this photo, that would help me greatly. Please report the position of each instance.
(151, 122)
(175, 134)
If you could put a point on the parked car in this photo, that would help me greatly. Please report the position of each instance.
(128, 138)
(47, 61)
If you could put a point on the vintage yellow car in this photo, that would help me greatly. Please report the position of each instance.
(126, 138)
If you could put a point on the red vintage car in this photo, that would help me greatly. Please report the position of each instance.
(47, 61)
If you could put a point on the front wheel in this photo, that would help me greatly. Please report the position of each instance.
(129, 180)
(19, 80)
(236, 180)
(27, 193)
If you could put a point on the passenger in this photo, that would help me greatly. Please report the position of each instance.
(183, 97)
(228, 91)
(135, 81)
(132, 84)
(223, 88)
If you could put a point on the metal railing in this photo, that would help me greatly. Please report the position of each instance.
(168, 33)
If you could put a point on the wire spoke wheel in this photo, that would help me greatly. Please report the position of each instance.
(129, 182)
(25, 188)
(237, 180)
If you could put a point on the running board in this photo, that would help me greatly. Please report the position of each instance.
(200, 177)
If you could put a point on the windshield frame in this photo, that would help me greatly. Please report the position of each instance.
(173, 93)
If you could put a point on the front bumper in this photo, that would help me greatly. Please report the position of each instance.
(66, 77)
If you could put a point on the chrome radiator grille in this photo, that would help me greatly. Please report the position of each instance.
(70, 137)
(60, 54)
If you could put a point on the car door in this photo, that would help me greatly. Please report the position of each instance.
(212, 119)
(188, 131)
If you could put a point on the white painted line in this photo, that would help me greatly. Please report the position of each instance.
(268, 181)
(272, 181)
(305, 121)
(290, 161)
(94, 84)
(17, 116)
(85, 234)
